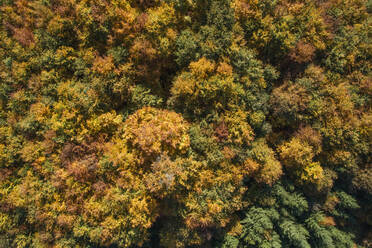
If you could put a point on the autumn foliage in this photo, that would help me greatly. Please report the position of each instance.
(185, 123)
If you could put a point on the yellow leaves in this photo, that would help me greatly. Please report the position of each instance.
(40, 111)
(153, 164)
(184, 85)
(195, 221)
(214, 208)
(4, 132)
(247, 8)
(230, 174)
(270, 172)
(171, 34)
(64, 90)
(343, 103)
(365, 126)
(250, 166)
(341, 158)
(30, 152)
(257, 118)
(105, 123)
(164, 45)
(94, 211)
(206, 209)
(228, 152)
(202, 69)
(56, 25)
(141, 209)
(281, 27)
(205, 180)
(295, 8)
(312, 137)
(88, 55)
(297, 155)
(240, 132)
(3, 155)
(351, 11)
(236, 229)
(198, 215)
(159, 18)
(263, 165)
(155, 131)
(21, 241)
(205, 83)
(261, 37)
(312, 173)
(19, 70)
(61, 118)
(5, 222)
(119, 154)
(64, 53)
(214, 196)
(24, 194)
(109, 225)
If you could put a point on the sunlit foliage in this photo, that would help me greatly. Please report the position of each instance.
(185, 123)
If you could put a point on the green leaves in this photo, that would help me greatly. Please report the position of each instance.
(185, 123)
(258, 229)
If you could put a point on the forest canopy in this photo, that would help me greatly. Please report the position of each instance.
(185, 123)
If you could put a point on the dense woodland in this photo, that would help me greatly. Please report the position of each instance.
(185, 123)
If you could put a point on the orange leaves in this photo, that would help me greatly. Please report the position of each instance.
(251, 166)
(155, 131)
(303, 52)
(141, 152)
(142, 50)
(164, 177)
(80, 161)
(150, 154)
(312, 137)
(23, 36)
(144, 54)
(289, 103)
(225, 69)
(104, 65)
(65, 220)
(87, 160)
(21, 20)
(328, 221)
